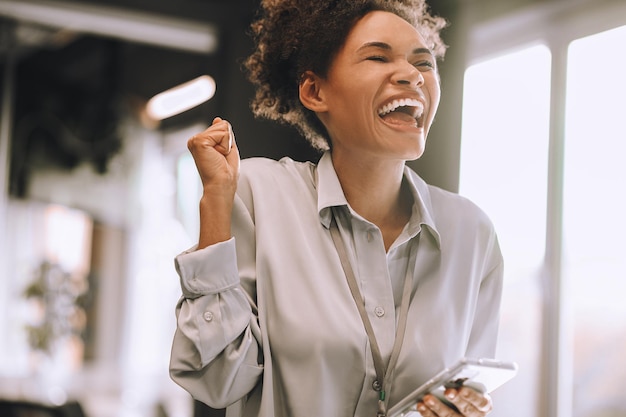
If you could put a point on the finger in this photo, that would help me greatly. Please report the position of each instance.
(438, 408)
(226, 138)
(469, 402)
(228, 148)
(232, 157)
(481, 401)
(424, 410)
(218, 136)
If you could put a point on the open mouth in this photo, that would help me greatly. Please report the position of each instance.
(406, 111)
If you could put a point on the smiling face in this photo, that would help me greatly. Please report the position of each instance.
(382, 90)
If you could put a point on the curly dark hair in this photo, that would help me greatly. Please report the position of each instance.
(294, 36)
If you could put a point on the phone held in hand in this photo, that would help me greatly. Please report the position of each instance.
(483, 375)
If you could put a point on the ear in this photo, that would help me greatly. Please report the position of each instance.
(310, 90)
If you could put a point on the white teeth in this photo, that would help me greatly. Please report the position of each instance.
(407, 102)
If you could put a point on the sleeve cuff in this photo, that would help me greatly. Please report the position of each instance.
(209, 270)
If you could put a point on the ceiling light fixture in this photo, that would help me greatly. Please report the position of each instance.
(115, 22)
(181, 98)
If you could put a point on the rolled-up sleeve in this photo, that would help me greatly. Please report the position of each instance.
(214, 352)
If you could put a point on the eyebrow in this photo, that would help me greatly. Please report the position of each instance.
(387, 47)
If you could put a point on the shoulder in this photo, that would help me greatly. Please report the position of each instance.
(466, 235)
(450, 210)
(459, 207)
(275, 179)
(259, 165)
(264, 171)
(465, 227)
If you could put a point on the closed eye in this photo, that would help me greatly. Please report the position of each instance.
(377, 58)
(427, 65)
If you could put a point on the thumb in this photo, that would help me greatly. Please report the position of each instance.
(224, 147)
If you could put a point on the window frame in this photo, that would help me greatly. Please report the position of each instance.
(556, 25)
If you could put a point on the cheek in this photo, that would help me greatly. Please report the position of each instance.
(434, 93)
(353, 107)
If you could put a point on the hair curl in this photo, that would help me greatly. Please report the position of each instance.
(294, 36)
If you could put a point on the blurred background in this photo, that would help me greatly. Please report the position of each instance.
(98, 98)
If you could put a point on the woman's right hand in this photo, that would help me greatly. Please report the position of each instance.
(216, 155)
(217, 159)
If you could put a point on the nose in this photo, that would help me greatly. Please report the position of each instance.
(408, 75)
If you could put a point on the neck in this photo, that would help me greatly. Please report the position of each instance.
(374, 189)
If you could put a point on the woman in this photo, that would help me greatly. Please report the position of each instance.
(335, 289)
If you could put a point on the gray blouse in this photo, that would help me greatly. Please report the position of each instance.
(267, 326)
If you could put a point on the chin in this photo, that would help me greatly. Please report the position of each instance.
(416, 152)
(414, 156)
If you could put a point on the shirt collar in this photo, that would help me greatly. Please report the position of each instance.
(329, 191)
(422, 213)
(330, 194)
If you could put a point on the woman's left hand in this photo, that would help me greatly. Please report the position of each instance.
(469, 403)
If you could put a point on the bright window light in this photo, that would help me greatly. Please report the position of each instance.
(68, 238)
(504, 150)
(504, 169)
(181, 98)
(189, 194)
(594, 224)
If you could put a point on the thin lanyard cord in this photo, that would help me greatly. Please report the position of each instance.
(384, 376)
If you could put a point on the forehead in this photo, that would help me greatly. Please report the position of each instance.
(384, 26)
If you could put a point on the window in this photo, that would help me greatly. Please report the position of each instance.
(542, 153)
(504, 169)
(594, 221)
